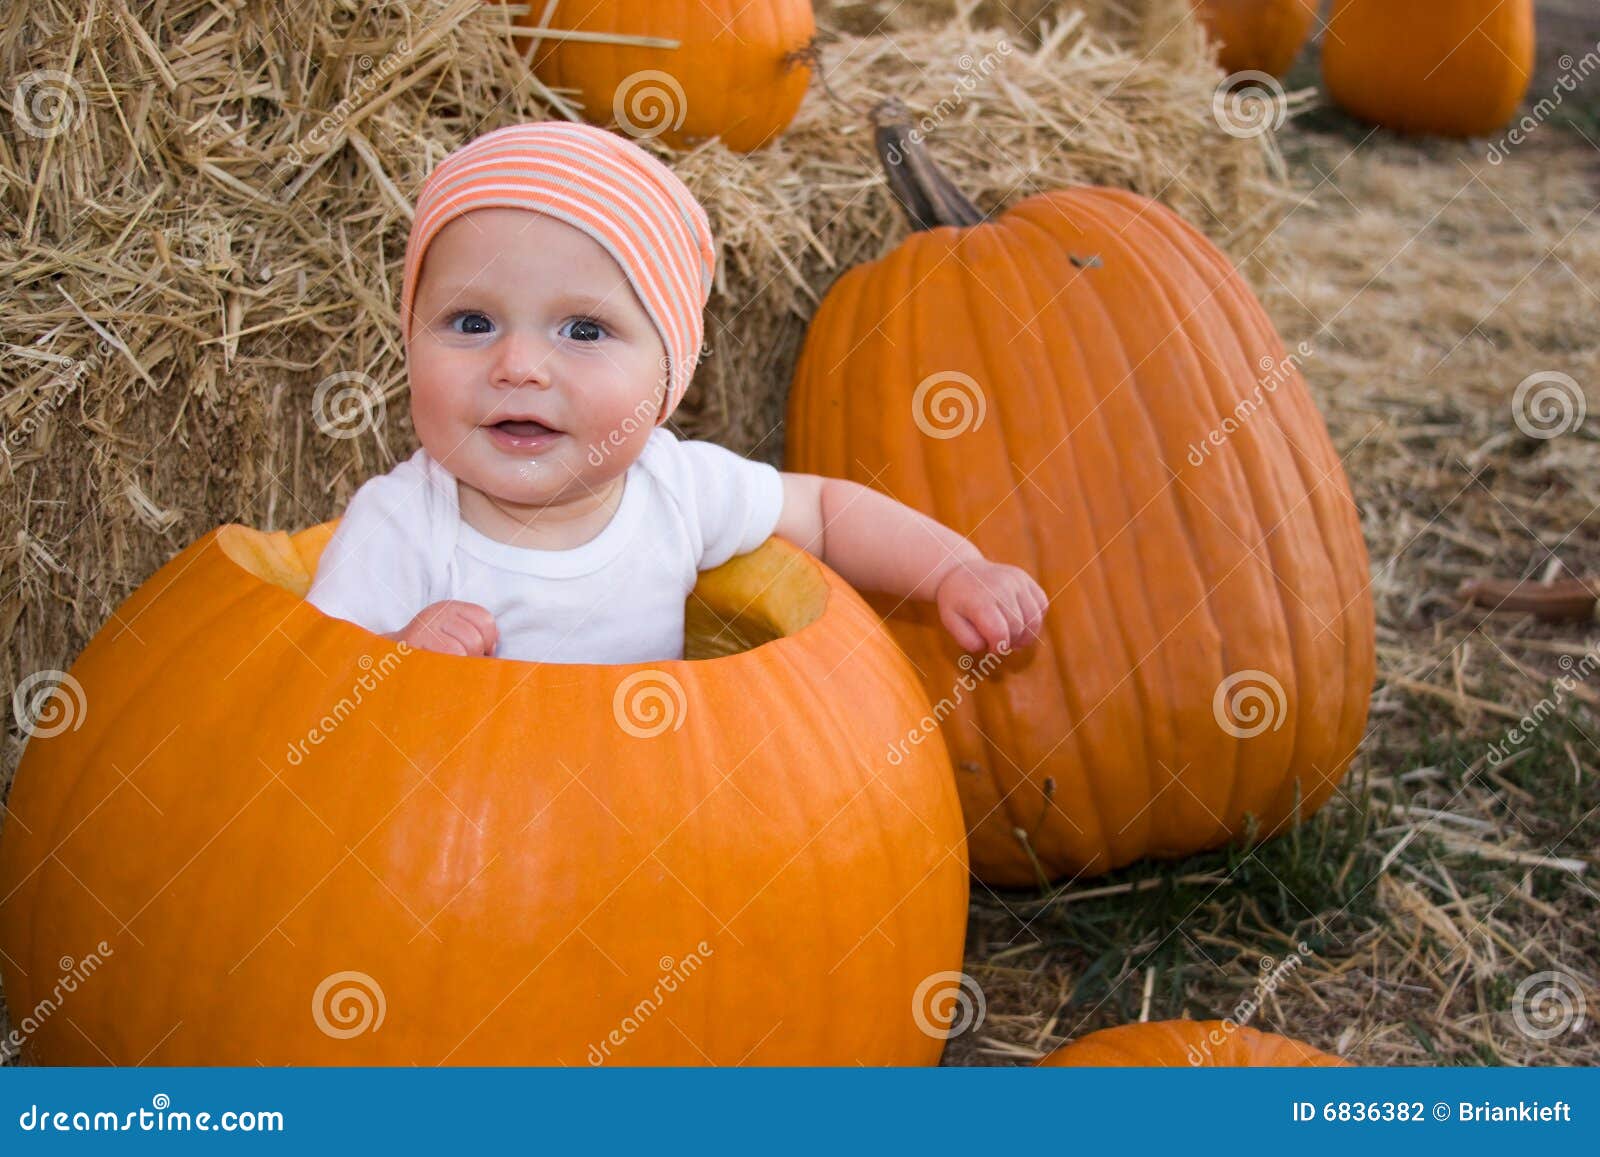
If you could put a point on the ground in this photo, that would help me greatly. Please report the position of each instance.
(1447, 897)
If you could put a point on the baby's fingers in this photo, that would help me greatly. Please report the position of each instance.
(965, 634)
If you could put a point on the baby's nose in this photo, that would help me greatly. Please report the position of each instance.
(523, 359)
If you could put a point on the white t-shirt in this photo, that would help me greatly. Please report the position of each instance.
(686, 506)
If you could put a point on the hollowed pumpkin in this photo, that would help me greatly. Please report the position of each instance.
(480, 861)
(1047, 382)
(1257, 35)
(1454, 67)
(1188, 1044)
(739, 72)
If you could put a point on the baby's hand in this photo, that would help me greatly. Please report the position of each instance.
(989, 606)
(451, 628)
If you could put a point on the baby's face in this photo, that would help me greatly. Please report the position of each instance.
(521, 317)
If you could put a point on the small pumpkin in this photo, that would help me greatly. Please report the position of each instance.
(1188, 1044)
(739, 72)
(289, 841)
(1086, 388)
(1454, 67)
(1257, 35)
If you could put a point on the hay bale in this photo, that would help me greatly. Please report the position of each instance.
(206, 213)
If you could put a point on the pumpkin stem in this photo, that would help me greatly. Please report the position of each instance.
(928, 197)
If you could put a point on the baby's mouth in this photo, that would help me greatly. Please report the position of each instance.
(524, 429)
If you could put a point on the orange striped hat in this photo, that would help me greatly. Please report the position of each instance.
(598, 182)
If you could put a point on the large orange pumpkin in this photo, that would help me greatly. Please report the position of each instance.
(739, 72)
(1454, 67)
(282, 839)
(1086, 388)
(1186, 1044)
(1257, 35)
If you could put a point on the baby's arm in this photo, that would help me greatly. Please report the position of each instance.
(878, 544)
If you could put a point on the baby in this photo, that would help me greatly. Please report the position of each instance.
(555, 280)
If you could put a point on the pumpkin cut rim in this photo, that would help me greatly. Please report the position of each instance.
(777, 594)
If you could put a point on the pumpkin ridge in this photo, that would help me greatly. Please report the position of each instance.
(1337, 519)
(1282, 805)
(1262, 478)
(1107, 625)
(1360, 656)
(996, 735)
(1299, 407)
(1170, 496)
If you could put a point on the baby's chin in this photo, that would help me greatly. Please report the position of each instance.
(557, 476)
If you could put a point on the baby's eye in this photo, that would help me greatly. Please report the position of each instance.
(473, 317)
(583, 329)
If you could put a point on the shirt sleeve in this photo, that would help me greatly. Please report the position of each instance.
(737, 501)
(374, 570)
